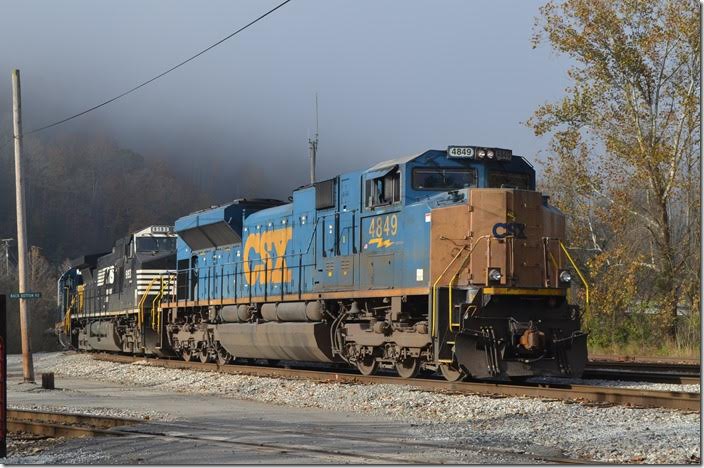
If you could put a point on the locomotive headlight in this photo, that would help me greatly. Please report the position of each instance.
(494, 274)
(481, 153)
(565, 276)
(490, 154)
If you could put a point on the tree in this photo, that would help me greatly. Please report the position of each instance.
(625, 146)
(83, 193)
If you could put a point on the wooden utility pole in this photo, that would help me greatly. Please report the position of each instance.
(27, 364)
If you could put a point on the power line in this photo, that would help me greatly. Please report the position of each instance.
(59, 122)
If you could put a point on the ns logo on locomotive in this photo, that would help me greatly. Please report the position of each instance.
(446, 261)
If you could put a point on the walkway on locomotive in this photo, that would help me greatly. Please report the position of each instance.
(361, 234)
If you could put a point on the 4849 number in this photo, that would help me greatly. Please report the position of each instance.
(380, 226)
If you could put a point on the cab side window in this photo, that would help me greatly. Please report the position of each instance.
(384, 190)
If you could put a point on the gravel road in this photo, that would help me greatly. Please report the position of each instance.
(609, 434)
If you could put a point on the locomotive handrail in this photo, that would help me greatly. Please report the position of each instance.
(157, 300)
(240, 273)
(548, 258)
(464, 263)
(435, 314)
(435, 287)
(581, 276)
(171, 278)
(161, 281)
(264, 268)
(67, 315)
(142, 300)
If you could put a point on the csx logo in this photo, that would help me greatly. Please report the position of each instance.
(264, 257)
(502, 230)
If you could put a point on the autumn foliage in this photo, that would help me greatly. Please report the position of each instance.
(624, 162)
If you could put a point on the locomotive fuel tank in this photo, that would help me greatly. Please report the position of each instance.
(100, 335)
(297, 341)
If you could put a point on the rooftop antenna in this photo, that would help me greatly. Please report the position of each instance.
(313, 144)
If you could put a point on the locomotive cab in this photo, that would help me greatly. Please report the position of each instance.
(105, 299)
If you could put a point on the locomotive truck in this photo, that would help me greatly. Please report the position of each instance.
(447, 261)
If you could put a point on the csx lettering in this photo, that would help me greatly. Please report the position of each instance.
(264, 257)
(502, 230)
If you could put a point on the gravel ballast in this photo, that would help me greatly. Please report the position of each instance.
(611, 434)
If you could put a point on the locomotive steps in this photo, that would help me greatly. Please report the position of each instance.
(688, 401)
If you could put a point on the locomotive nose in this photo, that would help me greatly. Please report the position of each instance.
(519, 337)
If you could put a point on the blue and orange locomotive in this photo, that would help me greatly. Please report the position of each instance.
(447, 261)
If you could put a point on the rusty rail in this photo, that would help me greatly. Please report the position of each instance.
(692, 370)
(643, 359)
(595, 394)
(688, 374)
(57, 424)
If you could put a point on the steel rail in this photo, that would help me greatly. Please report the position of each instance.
(176, 430)
(643, 359)
(690, 370)
(688, 401)
(57, 424)
(664, 372)
(637, 376)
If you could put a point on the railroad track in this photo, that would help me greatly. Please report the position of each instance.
(58, 424)
(674, 373)
(588, 393)
(662, 361)
(55, 424)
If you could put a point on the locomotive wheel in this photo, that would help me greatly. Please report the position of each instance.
(204, 355)
(408, 368)
(223, 357)
(452, 373)
(186, 355)
(367, 365)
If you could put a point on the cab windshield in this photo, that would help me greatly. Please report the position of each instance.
(503, 179)
(155, 244)
(443, 178)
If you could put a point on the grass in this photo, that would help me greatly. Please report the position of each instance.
(667, 349)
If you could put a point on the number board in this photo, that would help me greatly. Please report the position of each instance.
(162, 229)
(380, 232)
(460, 151)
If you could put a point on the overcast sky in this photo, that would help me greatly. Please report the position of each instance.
(393, 78)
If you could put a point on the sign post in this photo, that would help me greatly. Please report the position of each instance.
(26, 295)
